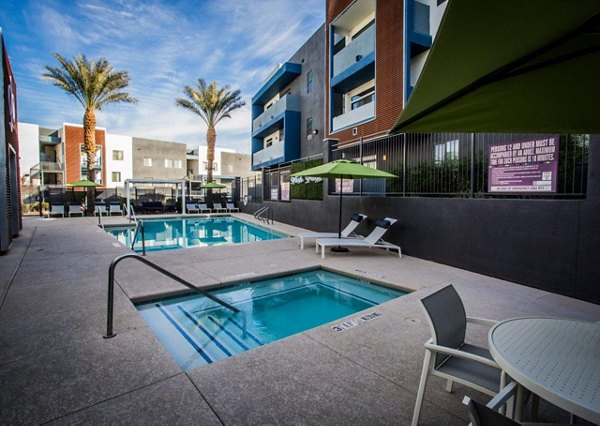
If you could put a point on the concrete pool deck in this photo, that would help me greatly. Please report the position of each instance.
(55, 366)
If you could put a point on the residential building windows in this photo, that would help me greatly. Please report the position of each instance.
(362, 98)
(168, 163)
(215, 166)
(117, 155)
(116, 176)
(177, 164)
(147, 162)
(446, 151)
(309, 81)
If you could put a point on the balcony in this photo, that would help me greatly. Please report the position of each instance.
(361, 49)
(418, 27)
(268, 118)
(276, 82)
(353, 117)
(270, 155)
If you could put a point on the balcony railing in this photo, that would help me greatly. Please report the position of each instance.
(363, 45)
(271, 153)
(288, 102)
(354, 116)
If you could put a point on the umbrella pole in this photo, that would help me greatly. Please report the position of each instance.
(340, 249)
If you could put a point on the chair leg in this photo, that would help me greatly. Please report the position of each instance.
(449, 386)
(421, 391)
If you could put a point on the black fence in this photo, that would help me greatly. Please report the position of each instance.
(455, 165)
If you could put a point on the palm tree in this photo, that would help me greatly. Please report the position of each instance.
(94, 83)
(212, 105)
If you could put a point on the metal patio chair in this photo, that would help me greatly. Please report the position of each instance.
(56, 209)
(446, 353)
(75, 209)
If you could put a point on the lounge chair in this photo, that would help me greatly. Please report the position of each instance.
(192, 208)
(100, 210)
(371, 240)
(346, 232)
(231, 207)
(203, 208)
(75, 209)
(446, 353)
(115, 208)
(218, 207)
(56, 209)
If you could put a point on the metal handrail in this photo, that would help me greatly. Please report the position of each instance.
(265, 209)
(131, 213)
(260, 211)
(100, 224)
(111, 289)
(139, 225)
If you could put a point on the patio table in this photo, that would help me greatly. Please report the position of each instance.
(557, 359)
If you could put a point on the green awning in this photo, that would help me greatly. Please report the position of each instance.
(510, 66)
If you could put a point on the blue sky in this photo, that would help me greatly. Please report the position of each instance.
(164, 45)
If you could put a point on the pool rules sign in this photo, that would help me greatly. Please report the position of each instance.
(526, 167)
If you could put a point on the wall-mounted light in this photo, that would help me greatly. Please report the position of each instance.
(384, 158)
(315, 132)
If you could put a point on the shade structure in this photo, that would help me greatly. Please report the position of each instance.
(83, 183)
(343, 169)
(510, 66)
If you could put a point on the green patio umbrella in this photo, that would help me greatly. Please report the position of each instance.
(213, 185)
(510, 66)
(83, 183)
(343, 169)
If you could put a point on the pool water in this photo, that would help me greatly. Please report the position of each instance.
(172, 234)
(198, 331)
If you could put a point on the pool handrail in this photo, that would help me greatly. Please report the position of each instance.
(111, 288)
(139, 225)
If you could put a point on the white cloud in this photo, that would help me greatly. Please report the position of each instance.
(164, 46)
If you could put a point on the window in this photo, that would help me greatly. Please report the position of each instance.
(230, 168)
(309, 81)
(117, 155)
(177, 164)
(116, 176)
(268, 142)
(309, 126)
(446, 151)
(147, 162)
(168, 163)
(363, 98)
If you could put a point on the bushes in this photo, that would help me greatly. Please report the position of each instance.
(306, 188)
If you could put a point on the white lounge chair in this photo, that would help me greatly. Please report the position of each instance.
(231, 207)
(115, 208)
(100, 210)
(218, 207)
(371, 240)
(203, 207)
(56, 209)
(346, 232)
(75, 209)
(192, 208)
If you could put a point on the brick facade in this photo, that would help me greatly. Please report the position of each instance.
(73, 139)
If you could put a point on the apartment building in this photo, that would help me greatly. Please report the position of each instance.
(153, 159)
(227, 165)
(375, 52)
(288, 110)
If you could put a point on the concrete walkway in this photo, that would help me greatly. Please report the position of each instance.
(55, 367)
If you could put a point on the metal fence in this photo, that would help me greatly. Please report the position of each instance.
(455, 165)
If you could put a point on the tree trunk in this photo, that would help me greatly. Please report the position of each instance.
(89, 146)
(211, 139)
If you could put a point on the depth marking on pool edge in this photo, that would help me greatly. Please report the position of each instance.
(356, 321)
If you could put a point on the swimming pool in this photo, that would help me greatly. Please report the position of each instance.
(197, 331)
(172, 234)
